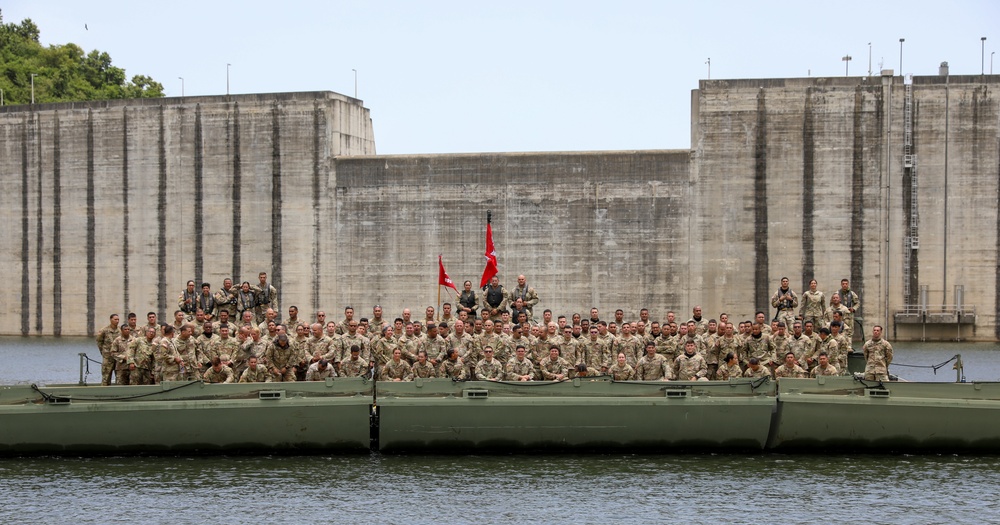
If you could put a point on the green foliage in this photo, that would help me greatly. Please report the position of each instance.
(63, 73)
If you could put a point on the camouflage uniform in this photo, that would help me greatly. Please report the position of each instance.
(278, 358)
(813, 308)
(106, 336)
(353, 367)
(828, 370)
(393, 370)
(486, 370)
(792, 371)
(140, 354)
(516, 368)
(381, 351)
(594, 353)
(551, 368)
(631, 346)
(786, 308)
(665, 346)
(347, 341)
(653, 368)
(224, 375)
(188, 350)
(219, 347)
(313, 373)
(728, 372)
(687, 367)
(166, 359)
(424, 370)
(119, 352)
(725, 345)
(528, 295)
(256, 375)
(803, 347)
(878, 357)
(266, 297)
(226, 300)
(762, 371)
(622, 373)
(847, 301)
(832, 348)
(760, 347)
(453, 369)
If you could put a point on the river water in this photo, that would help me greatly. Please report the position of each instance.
(694, 488)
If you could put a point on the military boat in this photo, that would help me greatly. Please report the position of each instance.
(358, 415)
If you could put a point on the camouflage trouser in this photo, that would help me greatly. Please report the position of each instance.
(876, 375)
(787, 317)
(121, 374)
(140, 377)
(713, 368)
(849, 326)
(107, 367)
(287, 377)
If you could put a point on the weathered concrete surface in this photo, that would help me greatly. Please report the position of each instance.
(112, 206)
(796, 177)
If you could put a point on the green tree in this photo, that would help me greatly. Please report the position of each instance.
(63, 73)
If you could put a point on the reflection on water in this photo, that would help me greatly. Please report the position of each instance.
(501, 489)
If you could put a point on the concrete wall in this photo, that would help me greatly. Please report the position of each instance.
(796, 177)
(112, 206)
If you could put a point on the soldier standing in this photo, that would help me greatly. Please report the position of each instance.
(850, 301)
(106, 336)
(786, 301)
(878, 356)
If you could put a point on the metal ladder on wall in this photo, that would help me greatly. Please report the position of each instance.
(911, 242)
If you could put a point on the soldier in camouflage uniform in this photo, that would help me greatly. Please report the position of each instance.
(169, 362)
(759, 345)
(187, 348)
(850, 301)
(519, 368)
(553, 367)
(730, 368)
(383, 350)
(653, 366)
(824, 368)
(218, 373)
(878, 356)
(594, 352)
(140, 359)
(225, 299)
(453, 367)
(527, 295)
(222, 345)
(355, 365)
(755, 369)
(790, 368)
(265, 298)
(106, 336)
(422, 367)
(397, 369)
(319, 371)
(829, 345)
(255, 372)
(835, 308)
(489, 369)
(621, 370)
(786, 301)
(119, 352)
(690, 366)
(281, 359)
(813, 304)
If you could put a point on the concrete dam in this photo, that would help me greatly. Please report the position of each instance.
(111, 206)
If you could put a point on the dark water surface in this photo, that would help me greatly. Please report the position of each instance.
(759, 488)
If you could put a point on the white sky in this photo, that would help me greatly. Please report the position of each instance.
(514, 75)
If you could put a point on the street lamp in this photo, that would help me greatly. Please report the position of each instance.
(982, 57)
(33, 75)
(991, 61)
(847, 65)
(901, 40)
(355, 82)
(869, 59)
(182, 85)
(227, 79)
(709, 62)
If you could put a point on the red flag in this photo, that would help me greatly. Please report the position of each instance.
(491, 257)
(443, 279)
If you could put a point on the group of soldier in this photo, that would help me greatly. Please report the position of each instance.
(235, 335)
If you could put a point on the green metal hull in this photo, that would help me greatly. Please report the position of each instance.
(843, 414)
(442, 416)
(187, 417)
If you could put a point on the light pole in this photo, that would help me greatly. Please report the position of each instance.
(1, 97)
(709, 62)
(869, 59)
(227, 79)
(982, 56)
(182, 85)
(355, 82)
(847, 65)
(33, 75)
(901, 40)
(991, 61)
